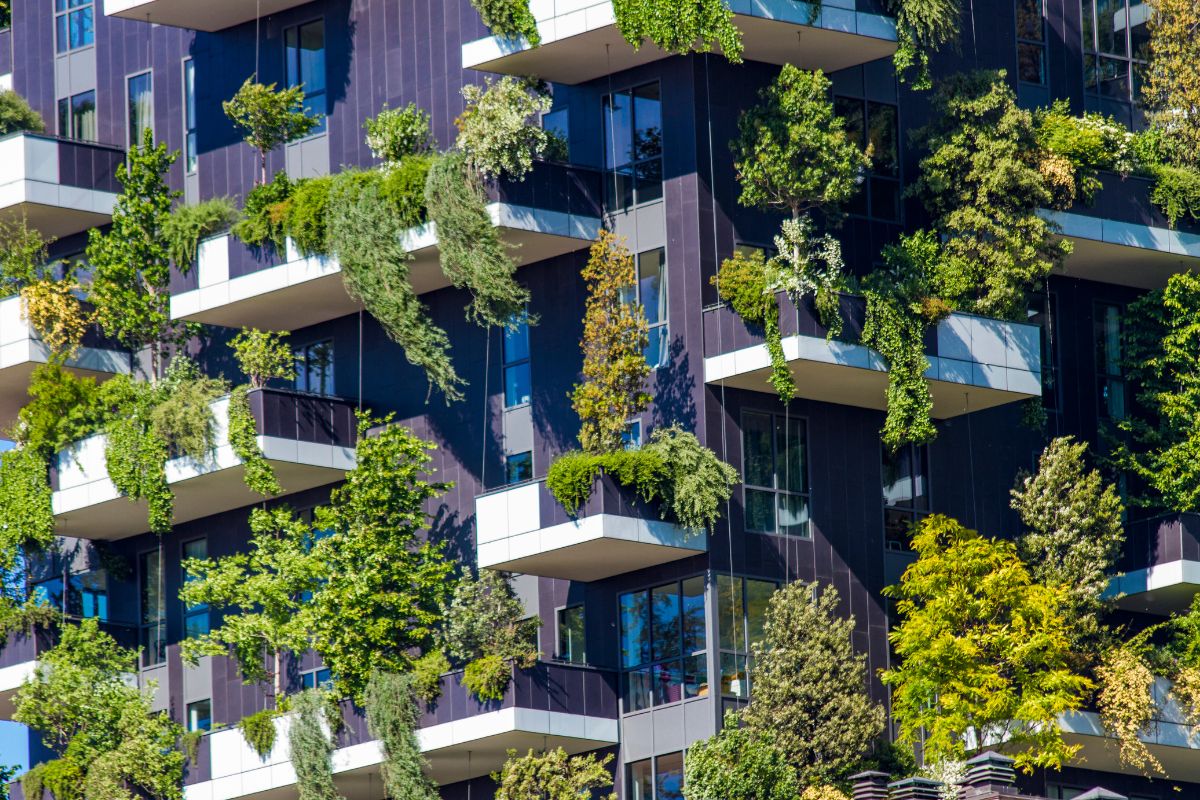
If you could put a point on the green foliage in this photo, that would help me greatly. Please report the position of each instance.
(983, 650)
(793, 152)
(269, 118)
(261, 595)
(23, 256)
(26, 516)
(181, 415)
(375, 270)
(16, 114)
(188, 224)
(108, 741)
(263, 356)
(264, 212)
(472, 253)
(738, 764)
(553, 775)
(571, 475)
(311, 749)
(486, 627)
(403, 189)
(810, 686)
(487, 677)
(1090, 143)
(394, 134)
(742, 282)
(1073, 531)
(307, 215)
(499, 131)
(62, 777)
(258, 729)
(1176, 192)
(135, 457)
(680, 26)
(392, 719)
(809, 265)
(243, 438)
(384, 584)
(1162, 359)
(1171, 84)
(189, 743)
(131, 262)
(509, 18)
(615, 334)
(427, 673)
(922, 27)
(981, 183)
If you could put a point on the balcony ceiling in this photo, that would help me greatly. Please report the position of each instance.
(1124, 265)
(200, 15)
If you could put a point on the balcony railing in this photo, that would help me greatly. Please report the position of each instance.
(524, 529)
(974, 362)
(1159, 572)
(59, 186)
(210, 16)
(308, 440)
(555, 210)
(580, 40)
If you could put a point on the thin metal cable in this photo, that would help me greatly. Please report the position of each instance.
(257, 37)
(361, 360)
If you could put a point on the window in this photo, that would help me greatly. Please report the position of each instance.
(320, 678)
(571, 645)
(741, 611)
(1115, 43)
(518, 467)
(1031, 42)
(633, 147)
(1110, 385)
(77, 117)
(1042, 312)
(304, 47)
(556, 122)
(905, 492)
(195, 618)
(631, 437)
(86, 596)
(314, 368)
(140, 96)
(154, 615)
(199, 715)
(663, 644)
(189, 115)
(74, 24)
(516, 364)
(875, 125)
(775, 466)
(659, 778)
(651, 291)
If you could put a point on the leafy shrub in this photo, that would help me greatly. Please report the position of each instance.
(1176, 192)
(61, 777)
(1090, 143)
(307, 215)
(24, 255)
(680, 26)
(258, 730)
(62, 408)
(553, 775)
(243, 438)
(498, 130)
(510, 18)
(922, 27)
(427, 674)
(487, 677)
(264, 213)
(54, 310)
(397, 133)
(403, 188)
(571, 475)
(25, 502)
(263, 355)
(742, 282)
(181, 417)
(188, 224)
(17, 115)
(486, 627)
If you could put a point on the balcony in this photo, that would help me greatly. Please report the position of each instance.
(309, 441)
(580, 40)
(974, 362)
(21, 351)
(1160, 571)
(555, 210)
(59, 186)
(551, 705)
(209, 16)
(524, 529)
(1124, 239)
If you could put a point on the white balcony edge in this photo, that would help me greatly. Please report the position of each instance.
(1124, 234)
(30, 175)
(12, 676)
(1155, 578)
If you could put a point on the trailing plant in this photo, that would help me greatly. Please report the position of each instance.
(189, 743)
(923, 27)
(189, 223)
(553, 775)
(62, 777)
(738, 763)
(306, 213)
(615, 334)
(181, 415)
(269, 118)
(243, 438)
(571, 475)
(394, 134)
(17, 115)
(427, 674)
(263, 356)
(135, 456)
(497, 131)
(470, 248)
(487, 677)
(264, 213)
(310, 748)
(1171, 85)
(26, 515)
(1176, 192)
(680, 26)
(62, 408)
(392, 719)
(486, 627)
(509, 18)
(1125, 700)
(809, 265)
(742, 282)
(258, 729)
(403, 189)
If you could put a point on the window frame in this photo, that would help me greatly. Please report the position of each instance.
(915, 452)
(1104, 379)
(1041, 44)
(187, 716)
(70, 119)
(681, 657)
(655, 780)
(507, 364)
(65, 14)
(134, 138)
(193, 612)
(145, 627)
(328, 375)
(867, 192)
(559, 652)
(776, 491)
(629, 169)
(191, 150)
(1089, 23)
(322, 127)
(744, 657)
(508, 479)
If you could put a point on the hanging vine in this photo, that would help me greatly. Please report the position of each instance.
(243, 438)
(392, 719)
(680, 26)
(923, 27)
(258, 729)
(742, 282)
(310, 747)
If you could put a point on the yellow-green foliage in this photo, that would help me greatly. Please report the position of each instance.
(258, 730)
(742, 282)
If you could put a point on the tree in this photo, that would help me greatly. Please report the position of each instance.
(131, 265)
(739, 763)
(269, 118)
(262, 593)
(553, 775)
(15, 112)
(615, 334)
(487, 628)
(397, 133)
(263, 355)
(392, 719)
(810, 687)
(984, 651)
(383, 586)
(981, 183)
(1171, 87)
(101, 728)
(1073, 530)
(48, 288)
(495, 131)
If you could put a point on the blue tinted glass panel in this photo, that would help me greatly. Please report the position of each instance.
(618, 123)
(668, 777)
(635, 628)
(516, 343)
(666, 621)
(516, 384)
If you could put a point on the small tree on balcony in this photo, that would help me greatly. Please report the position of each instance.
(487, 629)
(498, 130)
(553, 775)
(16, 113)
(263, 355)
(269, 118)
(48, 288)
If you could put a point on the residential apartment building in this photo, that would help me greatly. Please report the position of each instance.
(645, 632)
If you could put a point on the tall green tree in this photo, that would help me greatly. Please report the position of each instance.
(553, 775)
(131, 264)
(487, 629)
(739, 763)
(983, 650)
(269, 118)
(1171, 86)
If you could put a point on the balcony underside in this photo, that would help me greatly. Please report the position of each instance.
(1169, 742)
(210, 15)
(11, 678)
(1125, 253)
(19, 359)
(76, 214)
(585, 44)
(847, 374)
(1162, 589)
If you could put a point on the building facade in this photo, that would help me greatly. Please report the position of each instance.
(645, 632)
